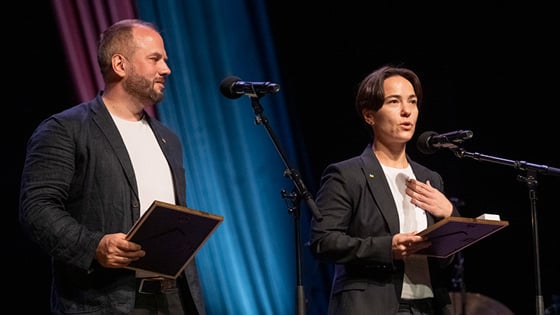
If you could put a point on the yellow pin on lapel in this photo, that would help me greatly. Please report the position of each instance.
(371, 175)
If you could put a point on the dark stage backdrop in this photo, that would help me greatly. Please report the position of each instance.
(484, 69)
(490, 68)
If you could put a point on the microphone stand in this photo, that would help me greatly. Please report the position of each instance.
(532, 170)
(294, 198)
(458, 279)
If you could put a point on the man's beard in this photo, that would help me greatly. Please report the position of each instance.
(142, 89)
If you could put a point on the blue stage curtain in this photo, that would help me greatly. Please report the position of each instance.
(233, 168)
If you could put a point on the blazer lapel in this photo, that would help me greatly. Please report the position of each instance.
(107, 126)
(379, 188)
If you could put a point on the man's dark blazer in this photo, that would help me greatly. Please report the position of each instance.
(358, 242)
(77, 185)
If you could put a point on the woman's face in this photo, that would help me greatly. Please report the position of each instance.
(395, 121)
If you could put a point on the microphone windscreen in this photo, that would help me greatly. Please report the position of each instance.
(226, 87)
(423, 142)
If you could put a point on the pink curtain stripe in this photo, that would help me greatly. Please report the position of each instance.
(76, 52)
(80, 23)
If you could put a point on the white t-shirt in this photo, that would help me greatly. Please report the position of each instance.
(151, 169)
(153, 175)
(416, 284)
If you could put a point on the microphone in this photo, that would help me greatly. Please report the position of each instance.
(232, 87)
(430, 141)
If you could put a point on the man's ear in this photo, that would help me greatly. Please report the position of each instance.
(119, 63)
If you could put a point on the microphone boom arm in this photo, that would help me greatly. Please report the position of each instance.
(531, 180)
(520, 165)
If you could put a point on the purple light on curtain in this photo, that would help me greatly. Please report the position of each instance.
(80, 23)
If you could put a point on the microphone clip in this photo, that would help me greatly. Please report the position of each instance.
(430, 141)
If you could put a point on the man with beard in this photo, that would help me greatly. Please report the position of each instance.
(92, 170)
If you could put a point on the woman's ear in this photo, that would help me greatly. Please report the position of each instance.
(367, 114)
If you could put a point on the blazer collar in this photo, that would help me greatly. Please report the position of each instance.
(104, 121)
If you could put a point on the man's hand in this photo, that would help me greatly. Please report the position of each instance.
(114, 251)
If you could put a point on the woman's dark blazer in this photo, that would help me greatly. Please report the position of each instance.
(359, 220)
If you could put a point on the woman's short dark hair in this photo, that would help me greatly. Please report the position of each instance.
(371, 94)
